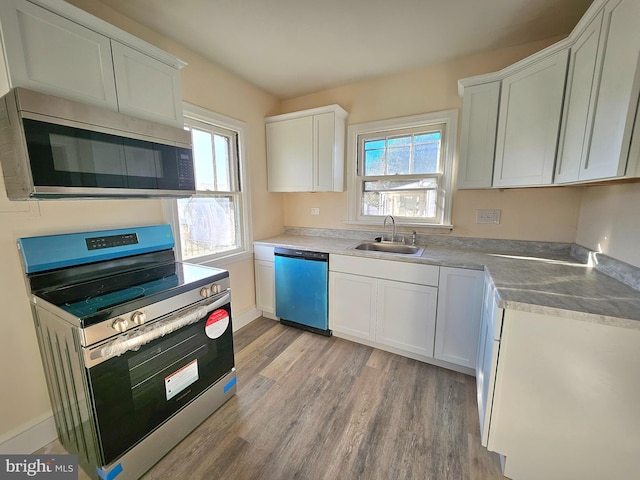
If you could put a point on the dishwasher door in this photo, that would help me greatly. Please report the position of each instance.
(302, 280)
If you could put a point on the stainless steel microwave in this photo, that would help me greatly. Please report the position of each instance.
(52, 147)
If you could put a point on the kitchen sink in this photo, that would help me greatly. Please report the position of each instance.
(390, 247)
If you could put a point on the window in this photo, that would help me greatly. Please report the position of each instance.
(402, 167)
(214, 222)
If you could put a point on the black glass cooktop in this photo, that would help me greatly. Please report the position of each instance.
(98, 299)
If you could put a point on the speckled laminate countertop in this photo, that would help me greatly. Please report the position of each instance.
(550, 284)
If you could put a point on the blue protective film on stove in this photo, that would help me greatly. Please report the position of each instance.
(57, 251)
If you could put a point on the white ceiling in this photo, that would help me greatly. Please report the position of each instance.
(294, 47)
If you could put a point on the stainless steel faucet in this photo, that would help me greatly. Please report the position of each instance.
(393, 226)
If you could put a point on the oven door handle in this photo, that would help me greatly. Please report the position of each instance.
(147, 333)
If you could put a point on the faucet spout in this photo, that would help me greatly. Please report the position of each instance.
(393, 226)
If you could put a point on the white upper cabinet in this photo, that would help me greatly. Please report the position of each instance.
(529, 122)
(617, 99)
(48, 53)
(478, 135)
(305, 150)
(596, 140)
(580, 97)
(56, 48)
(142, 82)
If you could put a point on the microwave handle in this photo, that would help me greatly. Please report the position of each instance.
(145, 334)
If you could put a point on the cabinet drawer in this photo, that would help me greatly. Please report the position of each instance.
(386, 269)
(263, 252)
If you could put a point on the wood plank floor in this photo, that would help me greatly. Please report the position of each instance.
(310, 407)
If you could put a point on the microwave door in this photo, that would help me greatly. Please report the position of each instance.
(143, 164)
(62, 156)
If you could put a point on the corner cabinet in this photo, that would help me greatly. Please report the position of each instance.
(602, 96)
(529, 123)
(305, 150)
(56, 48)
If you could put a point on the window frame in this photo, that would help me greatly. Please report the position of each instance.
(244, 225)
(448, 118)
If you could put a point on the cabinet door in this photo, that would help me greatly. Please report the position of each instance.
(290, 155)
(352, 305)
(146, 87)
(617, 99)
(579, 101)
(265, 286)
(324, 148)
(459, 313)
(487, 359)
(406, 316)
(478, 135)
(48, 53)
(529, 121)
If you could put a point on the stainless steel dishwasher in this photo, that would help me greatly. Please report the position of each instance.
(302, 280)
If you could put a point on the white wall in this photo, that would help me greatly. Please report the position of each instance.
(609, 221)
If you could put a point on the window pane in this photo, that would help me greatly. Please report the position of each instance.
(382, 185)
(374, 162)
(222, 157)
(399, 162)
(428, 138)
(400, 141)
(412, 204)
(426, 158)
(203, 160)
(207, 225)
(374, 144)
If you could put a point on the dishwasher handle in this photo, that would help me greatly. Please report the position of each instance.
(302, 254)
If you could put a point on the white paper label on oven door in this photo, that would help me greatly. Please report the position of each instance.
(217, 323)
(178, 381)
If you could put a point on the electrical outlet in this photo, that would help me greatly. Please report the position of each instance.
(315, 211)
(487, 216)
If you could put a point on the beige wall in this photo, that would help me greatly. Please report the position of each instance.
(610, 221)
(25, 399)
(548, 214)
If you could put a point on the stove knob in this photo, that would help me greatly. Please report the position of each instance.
(204, 292)
(119, 324)
(215, 288)
(138, 318)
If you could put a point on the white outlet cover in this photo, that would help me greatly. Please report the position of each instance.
(315, 211)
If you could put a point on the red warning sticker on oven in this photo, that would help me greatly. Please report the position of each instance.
(217, 323)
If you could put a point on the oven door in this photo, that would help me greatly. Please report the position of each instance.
(141, 378)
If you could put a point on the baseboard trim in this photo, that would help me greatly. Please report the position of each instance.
(245, 318)
(29, 437)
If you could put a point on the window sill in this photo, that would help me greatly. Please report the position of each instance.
(221, 262)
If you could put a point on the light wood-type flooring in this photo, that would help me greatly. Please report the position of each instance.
(310, 407)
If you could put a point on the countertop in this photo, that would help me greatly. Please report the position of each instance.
(546, 283)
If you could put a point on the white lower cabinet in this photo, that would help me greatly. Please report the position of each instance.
(406, 316)
(352, 304)
(422, 311)
(459, 314)
(265, 279)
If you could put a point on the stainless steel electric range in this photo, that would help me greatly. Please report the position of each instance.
(137, 348)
